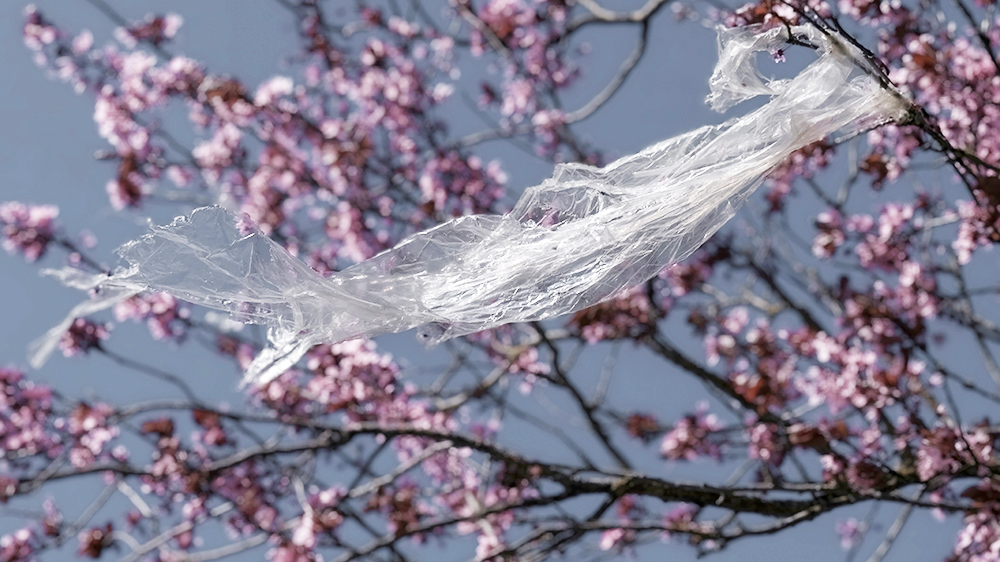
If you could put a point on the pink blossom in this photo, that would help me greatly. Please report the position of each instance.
(91, 432)
(8, 487)
(507, 20)
(620, 538)
(124, 194)
(133, 71)
(718, 346)
(154, 29)
(630, 315)
(83, 42)
(833, 467)
(979, 540)
(869, 11)
(679, 518)
(27, 229)
(164, 315)
(346, 226)
(979, 227)
(304, 534)
(518, 100)
(244, 485)
(321, 517)
(692, 436)
(211, 423)
(615, 538)
(688, 275)
(887, 247)
(25, 415)
(95, 540)
(770, 14)
(273, 89)
(401, 505)
(850, 532)
(18, 545)
(458, 185)
(735, 320)
(529, 364)
(765, 444)
(217, 153)
(116, 124)
(943, 451)
(180, 75)
(402, 27)
(831, 234)
(37, 31)
(487, 544)
(547, 124)
(802, 163)
(82, 336)
(351, 375)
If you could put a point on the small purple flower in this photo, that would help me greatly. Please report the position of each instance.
(849, 531)
(164, 315)
(27, 229)
(82, 336)
(19, 545)
(691, 437)
(246, 225)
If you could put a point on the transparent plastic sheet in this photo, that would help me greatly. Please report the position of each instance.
(577, 239)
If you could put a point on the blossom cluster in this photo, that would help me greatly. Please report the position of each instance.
(27, 416)
(320, 140)
(27, 229)
(692, 436)
(626, 316)
(823, 348)
(164, 315)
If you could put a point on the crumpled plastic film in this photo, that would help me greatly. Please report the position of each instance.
(579, 238)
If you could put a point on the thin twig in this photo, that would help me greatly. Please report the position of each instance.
(890, 537)
(626, 68)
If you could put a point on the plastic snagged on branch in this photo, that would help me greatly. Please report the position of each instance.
(577, 239)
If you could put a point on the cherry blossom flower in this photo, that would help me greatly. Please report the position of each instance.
(692, 436)
(27, 229)
(82, 336)
(25, 415)
(627, 316)
(18, 545)
(164, 315)
(850, 532)
(94, 541)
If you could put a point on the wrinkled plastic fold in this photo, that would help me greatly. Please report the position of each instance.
(579, 238)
